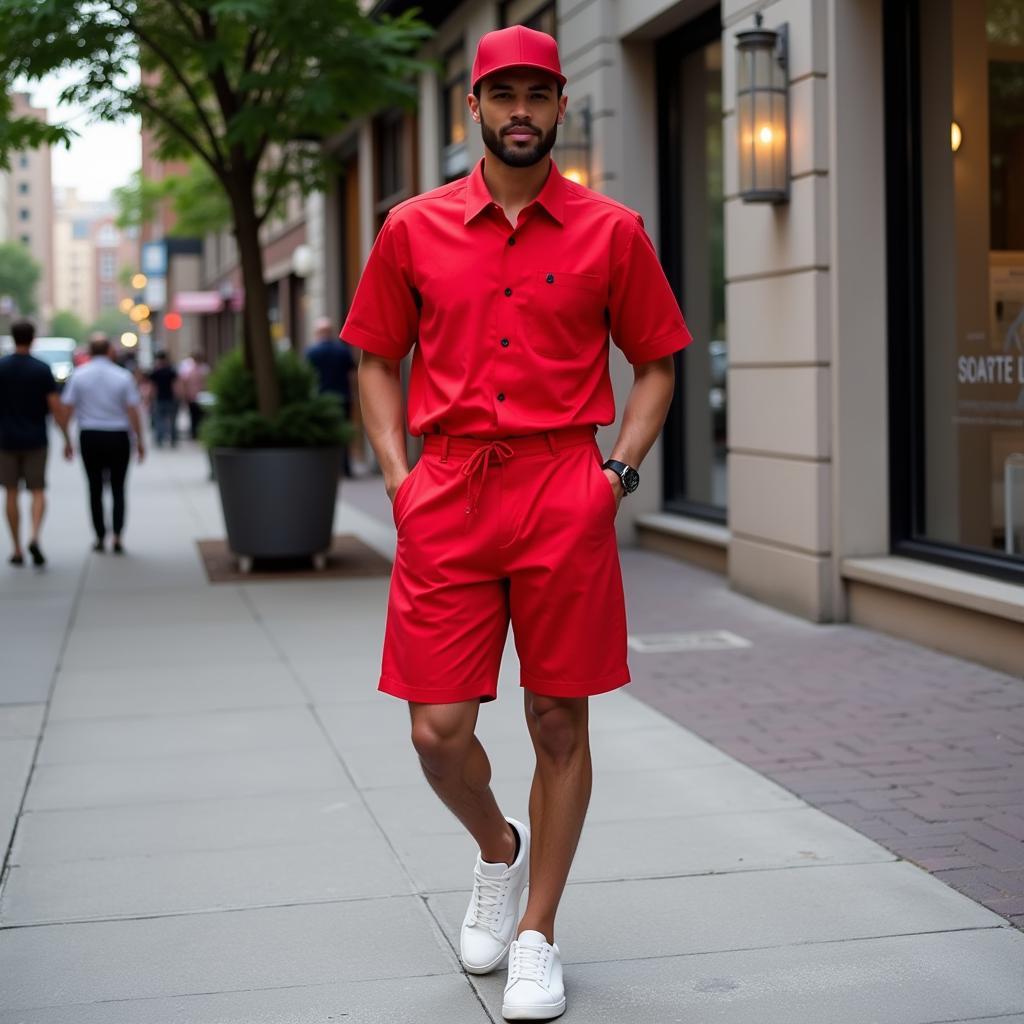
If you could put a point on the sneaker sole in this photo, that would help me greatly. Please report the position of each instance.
(539, 1012)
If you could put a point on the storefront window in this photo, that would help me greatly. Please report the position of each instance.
(454, 151)
(693, 251)
(965, 359)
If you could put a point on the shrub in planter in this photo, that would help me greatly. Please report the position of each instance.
(278, 475)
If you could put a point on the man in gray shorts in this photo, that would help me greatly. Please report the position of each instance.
(28, 393)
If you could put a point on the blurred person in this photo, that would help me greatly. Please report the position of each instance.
(193, 372)
(508, 517)
(334, 364)
(104, 399)
(28, 393)
(164, 378)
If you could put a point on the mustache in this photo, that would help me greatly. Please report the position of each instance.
(518, 129)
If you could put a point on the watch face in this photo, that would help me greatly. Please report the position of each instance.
(630, 480)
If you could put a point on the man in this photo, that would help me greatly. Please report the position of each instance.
(334, 365)
(28, 393)
(164, 378)
(192, 376)
(507, 282)
(105, 401)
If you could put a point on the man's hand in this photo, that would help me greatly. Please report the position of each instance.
(69, 451)
(392, 487)
(140, 449)
(616, 483)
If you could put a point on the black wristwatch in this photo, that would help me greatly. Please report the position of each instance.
(629, 477)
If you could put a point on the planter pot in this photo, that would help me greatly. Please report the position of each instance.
(278, 502)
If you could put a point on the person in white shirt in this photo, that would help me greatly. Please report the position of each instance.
(104, 399)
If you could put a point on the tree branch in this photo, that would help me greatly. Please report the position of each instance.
(275, 189)
(215, 163)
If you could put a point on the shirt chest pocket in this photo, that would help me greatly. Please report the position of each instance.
(565, 313)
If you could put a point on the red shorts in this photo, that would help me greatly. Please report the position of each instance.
(520, 530)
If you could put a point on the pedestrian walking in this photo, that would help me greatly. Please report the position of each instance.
(164, 378)
(193, 372)
(104, 399)
(28, 393)
(508, 282)
(335, 366)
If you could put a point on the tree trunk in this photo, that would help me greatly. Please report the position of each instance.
(259, 348)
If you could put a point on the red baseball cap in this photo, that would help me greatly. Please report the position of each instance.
(516, 47)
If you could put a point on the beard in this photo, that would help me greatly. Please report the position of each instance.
(516, 155)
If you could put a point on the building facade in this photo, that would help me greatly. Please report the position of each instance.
(847, 437)
(28, 203)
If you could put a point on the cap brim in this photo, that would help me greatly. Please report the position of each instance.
(509, 67)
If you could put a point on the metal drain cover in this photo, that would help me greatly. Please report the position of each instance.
(668, 643)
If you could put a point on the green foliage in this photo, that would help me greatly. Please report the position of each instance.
(199, 204)
(65, 324)
(19, 275)
(114, 323)
(304, 419)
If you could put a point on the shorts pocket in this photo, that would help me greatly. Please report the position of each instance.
(609, 495)
(399, 500)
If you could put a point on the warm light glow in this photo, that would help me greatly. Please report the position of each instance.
(139, 313)
(575, 174)
(765, 135)
(145, 326)
(955, 136)
(172, 321)
(139, 281)
(129, 340)
(125, 305)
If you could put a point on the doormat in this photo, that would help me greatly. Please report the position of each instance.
(348, 557)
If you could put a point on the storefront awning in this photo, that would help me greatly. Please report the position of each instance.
(206, 302)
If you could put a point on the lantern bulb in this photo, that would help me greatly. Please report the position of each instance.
(955, 136)
(765, 135)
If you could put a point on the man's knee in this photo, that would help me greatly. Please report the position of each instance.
(558, 725)
(442, 734)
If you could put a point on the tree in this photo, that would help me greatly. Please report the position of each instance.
(113, 323)
(19, 275)
(248, 87)
(66, 324)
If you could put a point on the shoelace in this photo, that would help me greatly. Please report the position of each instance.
(528, 962)
(478, 462)
(488, 901)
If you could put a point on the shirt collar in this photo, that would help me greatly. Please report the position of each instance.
(551, 196)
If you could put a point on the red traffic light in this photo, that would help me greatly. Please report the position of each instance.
(172, 321)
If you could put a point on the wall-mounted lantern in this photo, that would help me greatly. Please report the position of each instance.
(762, 109)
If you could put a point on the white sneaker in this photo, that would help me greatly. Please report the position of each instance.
(534, 990)
(490, 922)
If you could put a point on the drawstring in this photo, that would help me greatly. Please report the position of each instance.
(480, 459)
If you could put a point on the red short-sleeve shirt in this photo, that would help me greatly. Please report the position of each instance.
(511, 325)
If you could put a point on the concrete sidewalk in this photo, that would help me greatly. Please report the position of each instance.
(218, 818)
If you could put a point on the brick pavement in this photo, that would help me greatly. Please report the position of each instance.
(919, 751)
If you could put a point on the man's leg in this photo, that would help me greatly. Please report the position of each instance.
(119, 457)
(90, 444)
(559, 728)
(14, 520)
(457, 768)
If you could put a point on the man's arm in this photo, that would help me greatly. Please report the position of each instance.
(644, 415)
(136, 421)
(380, 400)
(61, 414)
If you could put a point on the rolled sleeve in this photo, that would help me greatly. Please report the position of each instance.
(644, 317)
(384, 318)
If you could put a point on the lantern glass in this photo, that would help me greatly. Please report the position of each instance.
(762, 110)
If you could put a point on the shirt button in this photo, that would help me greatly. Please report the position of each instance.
(504, 342)
(508, 291)
(550, 279)
(501, 396)
(511, 241)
